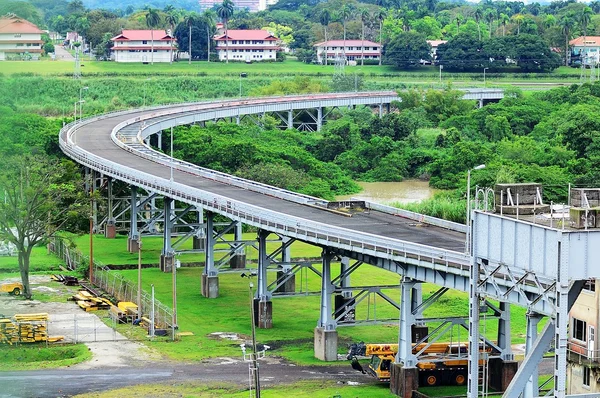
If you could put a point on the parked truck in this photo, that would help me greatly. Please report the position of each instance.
(438, 363)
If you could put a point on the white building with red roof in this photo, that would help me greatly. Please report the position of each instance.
(19, 39)
(138, 46)
(247, 45)
(587, 50)
(353, 49)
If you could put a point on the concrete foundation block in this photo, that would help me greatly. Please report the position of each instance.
(289, 286)
(110, 230)
(403, 381)
(263, 314)
(133, 245)
(166, 263)
(501, 373)
(209, 286)
(238, 261)
(198, 243)
(326, 344)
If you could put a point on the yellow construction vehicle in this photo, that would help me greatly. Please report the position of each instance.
(438, 363)
(13, 288)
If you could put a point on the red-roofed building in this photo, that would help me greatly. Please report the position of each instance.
(247, 45)
(354, 50)
(587, 51)
(137, 45)
(19, 39)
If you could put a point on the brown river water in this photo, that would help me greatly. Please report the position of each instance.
(407, 191)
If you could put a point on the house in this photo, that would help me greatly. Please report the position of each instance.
(137, 46)
(247, 45)
(353, 49)
(588, 49)
(434, 46)
(583, 367)
(19, 39)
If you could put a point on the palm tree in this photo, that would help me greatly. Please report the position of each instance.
(478, 17)
(518, 18)
(595, 5)
(381, 14)
(566, 24)
(324, 19)
(459, 19)
(365, 15)
(225, 11)
(503, 20)
(585, 17)
(152, 21)
(209, 20)
(190, 20)
(172, 19)
(345, 14)
(490, 15)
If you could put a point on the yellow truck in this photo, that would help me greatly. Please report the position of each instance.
(12, 288)
(438, 363)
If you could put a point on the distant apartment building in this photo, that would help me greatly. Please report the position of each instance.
(250, 5)
(138, 46)
(247, 45)
(19, 39)
(353, 49)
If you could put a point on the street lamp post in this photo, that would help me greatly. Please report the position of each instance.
(81, 109)
(468, 242)
(484, 69)
(253, 326)
(81, 101)
(243, 74)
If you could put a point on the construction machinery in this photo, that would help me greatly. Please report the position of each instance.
(438, 363)
(12, 288)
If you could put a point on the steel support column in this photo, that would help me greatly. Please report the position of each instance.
(325, 345)
(110, 229)
(345, 280)
(159, 135)
(473, 381)
(405, 354)
(562, 320)
(238, 260)
(290, 119)
(319, 118)
(210, 278)
(504, 340)
(134, 235)
(199, 239)
(167, 253)
(531, 388)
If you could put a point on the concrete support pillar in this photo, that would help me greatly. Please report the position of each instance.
(325, 332)
(238, 260)
(380, 110)
(167, 253)
(531, 388)
(319, 118)
(263, 297)
(238, 119)
(110, 230)
(199, 239)
(290, 121)
(134, 236)
(481, 103)
(403, 380)
(501, 373)
(210, 279)
(159, 135)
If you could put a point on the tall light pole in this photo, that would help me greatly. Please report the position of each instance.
(80, 109)
(253, 326)
(243, 74)
(484, 69)
(468, 242)
(139, 289)
(441, 67)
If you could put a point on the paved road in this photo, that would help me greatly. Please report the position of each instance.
(69, 382)
(62, 54)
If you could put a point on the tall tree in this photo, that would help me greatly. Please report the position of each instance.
(40, 197)
(518, 18)
(208, 17)
(365, 16)
(190, 20)
(490, 16)
(503, 19)
(585, 17)
(172, 19)
(381, 14)
(566, 23)
(152, 21)
(345, 14)
(225, 11)
(478, 14)
(324, 19)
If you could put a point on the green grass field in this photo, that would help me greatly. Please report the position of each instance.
(38, 356)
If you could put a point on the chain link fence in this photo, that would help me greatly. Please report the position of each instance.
(114, 284)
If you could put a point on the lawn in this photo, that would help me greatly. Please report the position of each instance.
(38, 356)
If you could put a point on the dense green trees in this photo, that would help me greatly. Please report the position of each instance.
(407, 49)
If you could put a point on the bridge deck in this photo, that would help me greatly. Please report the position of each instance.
(95, 138)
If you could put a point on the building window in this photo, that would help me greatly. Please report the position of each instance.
(144, 42)
(590, 285)
(586, 376)
(579, 329)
